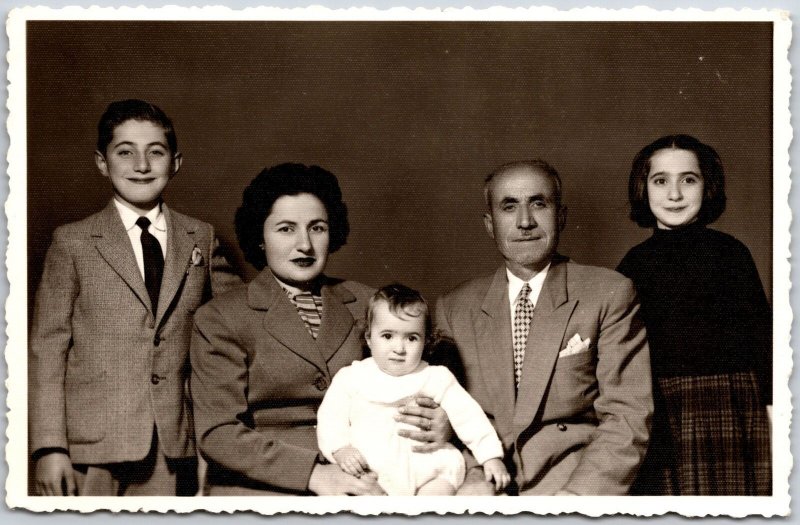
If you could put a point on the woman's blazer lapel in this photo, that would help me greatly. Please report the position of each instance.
(283, 323)
(337, 321)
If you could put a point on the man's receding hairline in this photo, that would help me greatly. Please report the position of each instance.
(509, 168)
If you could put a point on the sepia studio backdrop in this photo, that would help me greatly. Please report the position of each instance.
(410, 117)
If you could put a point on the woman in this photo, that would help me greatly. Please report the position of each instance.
(264, 354)
(708, 324)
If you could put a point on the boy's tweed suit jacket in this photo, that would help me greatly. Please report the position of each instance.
(104, 369)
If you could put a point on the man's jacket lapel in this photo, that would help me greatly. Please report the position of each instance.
(493, 333)
(550, 318)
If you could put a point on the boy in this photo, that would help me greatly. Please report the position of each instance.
(109, 412)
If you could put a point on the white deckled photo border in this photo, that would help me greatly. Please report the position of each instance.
(17, 303)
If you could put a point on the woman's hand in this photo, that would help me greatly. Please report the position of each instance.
(431, 419)
(330, 480)
(351, 461)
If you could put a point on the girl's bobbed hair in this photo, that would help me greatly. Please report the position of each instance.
(710, 167)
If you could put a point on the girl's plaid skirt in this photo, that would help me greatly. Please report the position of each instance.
(710, 436)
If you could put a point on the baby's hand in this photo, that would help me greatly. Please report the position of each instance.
(351, 461)
(495, 469)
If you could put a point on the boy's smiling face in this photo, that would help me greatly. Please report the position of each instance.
(139, 163)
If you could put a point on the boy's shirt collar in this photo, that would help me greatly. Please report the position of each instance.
(129, 217)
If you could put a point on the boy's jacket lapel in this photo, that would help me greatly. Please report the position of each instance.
(114, 245)
(180, 243)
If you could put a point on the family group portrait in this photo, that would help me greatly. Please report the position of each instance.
(399, 257)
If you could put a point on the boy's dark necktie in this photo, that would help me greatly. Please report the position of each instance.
(153, 261)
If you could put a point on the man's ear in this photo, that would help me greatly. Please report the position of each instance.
(488, 224)
(562, 218)
(177, 159)
(100, 162)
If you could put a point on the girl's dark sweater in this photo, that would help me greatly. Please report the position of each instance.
(703, 304)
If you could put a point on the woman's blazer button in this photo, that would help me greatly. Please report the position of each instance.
(562, 427)
(321, 383)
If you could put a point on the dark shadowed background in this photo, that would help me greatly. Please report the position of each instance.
(410, 117)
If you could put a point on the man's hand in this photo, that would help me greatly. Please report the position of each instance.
(431, 419)
(351, 461)
(330, 480)
(54, 476)
(494, 469)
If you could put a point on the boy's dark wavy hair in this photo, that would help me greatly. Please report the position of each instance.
(122, 111)
(272, 184)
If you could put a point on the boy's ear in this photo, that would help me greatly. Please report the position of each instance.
(100, 162)
(177, 159)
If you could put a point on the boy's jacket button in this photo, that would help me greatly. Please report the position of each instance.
(155, 379)
(562, 427)
(320, 383)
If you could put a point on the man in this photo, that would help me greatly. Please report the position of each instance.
(554, 351)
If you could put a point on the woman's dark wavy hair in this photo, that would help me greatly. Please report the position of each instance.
(710, 167)
(287, 179)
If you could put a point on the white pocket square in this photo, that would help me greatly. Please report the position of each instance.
(576, 345)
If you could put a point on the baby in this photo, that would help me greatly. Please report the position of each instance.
(356, 428)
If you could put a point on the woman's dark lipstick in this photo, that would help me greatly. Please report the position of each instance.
(304, 261)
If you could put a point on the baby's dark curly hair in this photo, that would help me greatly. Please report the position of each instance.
(403, 300)
(272, 184)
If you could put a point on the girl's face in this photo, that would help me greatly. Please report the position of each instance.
(674, 188)
(296, 239)
(396, 341)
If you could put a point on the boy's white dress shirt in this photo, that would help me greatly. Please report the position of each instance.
(158, 229)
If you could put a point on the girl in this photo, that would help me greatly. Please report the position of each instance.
(709, 327)
(356, 426)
